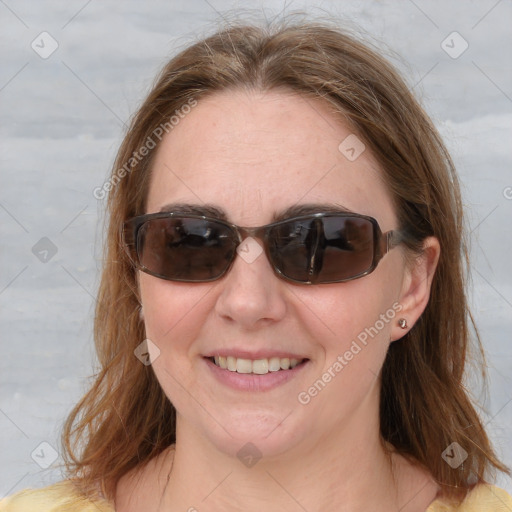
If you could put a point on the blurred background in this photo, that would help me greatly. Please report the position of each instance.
(71, 75)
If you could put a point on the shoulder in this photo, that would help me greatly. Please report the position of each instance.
(483, 498)
(60, 497)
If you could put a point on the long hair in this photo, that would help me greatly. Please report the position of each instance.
(125, 419)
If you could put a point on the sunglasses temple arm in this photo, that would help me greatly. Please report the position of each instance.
(128, 235)
(391, 239)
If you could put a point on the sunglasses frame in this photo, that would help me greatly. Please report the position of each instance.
(382, 242)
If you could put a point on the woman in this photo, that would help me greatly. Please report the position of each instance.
(311, 359)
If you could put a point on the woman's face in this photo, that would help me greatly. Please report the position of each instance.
(254, 155)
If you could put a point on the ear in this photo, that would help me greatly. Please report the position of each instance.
(415, 292)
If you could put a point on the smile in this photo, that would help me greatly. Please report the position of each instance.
(255, 366)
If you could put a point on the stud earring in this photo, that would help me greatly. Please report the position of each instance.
(402, 323)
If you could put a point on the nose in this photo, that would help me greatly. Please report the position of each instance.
(252, 295)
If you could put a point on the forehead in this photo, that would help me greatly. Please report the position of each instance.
(253, 153)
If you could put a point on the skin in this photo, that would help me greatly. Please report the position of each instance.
(255, 154)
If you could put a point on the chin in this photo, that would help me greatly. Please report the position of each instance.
(255, 433)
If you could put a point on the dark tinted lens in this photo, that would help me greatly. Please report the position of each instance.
(323, 249)
(347, 248)
(185, 249)
(291, 245)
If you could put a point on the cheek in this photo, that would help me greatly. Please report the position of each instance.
(173, 312)
(353, 318)
(352, 325)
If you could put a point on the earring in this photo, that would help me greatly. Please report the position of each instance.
(141, 314)
(402, 323)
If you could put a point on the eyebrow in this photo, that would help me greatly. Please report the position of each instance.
(208, 210)
(297, 210)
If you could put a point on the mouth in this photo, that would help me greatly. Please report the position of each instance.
(256, 366)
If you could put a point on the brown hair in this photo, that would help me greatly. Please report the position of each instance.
(126, 419)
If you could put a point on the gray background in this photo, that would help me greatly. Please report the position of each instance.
(62, 120)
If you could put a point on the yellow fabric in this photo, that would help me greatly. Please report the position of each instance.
(62, 497)
(483, 498)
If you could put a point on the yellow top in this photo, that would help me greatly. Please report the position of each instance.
(62, 497)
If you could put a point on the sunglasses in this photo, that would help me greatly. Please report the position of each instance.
(310, 249)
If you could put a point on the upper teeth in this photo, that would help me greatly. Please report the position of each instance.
(258, 366)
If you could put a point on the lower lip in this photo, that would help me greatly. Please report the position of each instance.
(251, 381)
